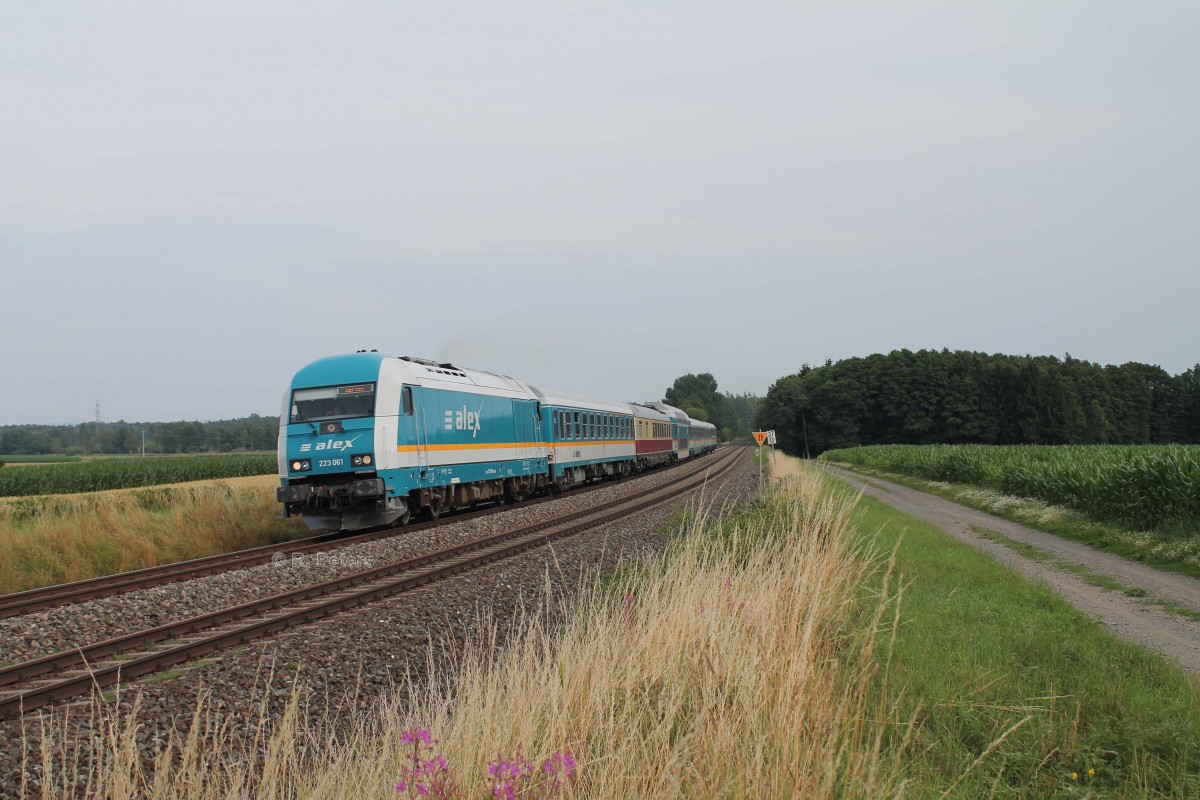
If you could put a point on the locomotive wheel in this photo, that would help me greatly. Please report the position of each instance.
(434, 509)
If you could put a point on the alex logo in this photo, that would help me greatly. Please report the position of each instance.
(463, 420)
(331, 444)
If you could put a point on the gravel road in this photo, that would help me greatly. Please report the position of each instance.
(1139, 619)
(347, 663)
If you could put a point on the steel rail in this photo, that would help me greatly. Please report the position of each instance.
(460, 558)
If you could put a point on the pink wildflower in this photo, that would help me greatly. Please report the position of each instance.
(560, 766)
(415, 735)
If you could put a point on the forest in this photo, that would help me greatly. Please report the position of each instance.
(219, 436)
(962, 397)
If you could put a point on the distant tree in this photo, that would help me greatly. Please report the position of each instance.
(697, 395)
(124, 440)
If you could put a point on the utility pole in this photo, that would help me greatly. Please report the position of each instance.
(96, 430)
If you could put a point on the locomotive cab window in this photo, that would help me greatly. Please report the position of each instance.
(333, 402)
(406, 400)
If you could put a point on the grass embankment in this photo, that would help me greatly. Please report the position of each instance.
(61, 538)
(1139, 502)
(767, 657)
(982, 652)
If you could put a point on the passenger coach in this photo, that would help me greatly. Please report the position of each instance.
(586, 438)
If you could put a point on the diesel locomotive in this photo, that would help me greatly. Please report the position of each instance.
(367, 440)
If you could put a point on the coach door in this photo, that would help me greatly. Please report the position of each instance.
(527, 429)
(414, 430)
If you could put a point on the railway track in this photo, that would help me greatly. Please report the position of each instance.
(33, 684)
(18, 603)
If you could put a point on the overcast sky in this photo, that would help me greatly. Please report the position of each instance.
(198, 199)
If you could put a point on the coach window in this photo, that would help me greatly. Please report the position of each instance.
(578, 426)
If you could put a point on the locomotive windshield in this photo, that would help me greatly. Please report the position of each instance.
(333, 402)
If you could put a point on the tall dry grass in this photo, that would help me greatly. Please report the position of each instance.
(55, 539)
(742, 666)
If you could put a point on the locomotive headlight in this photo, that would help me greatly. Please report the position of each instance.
(361, 461)
(301, 465)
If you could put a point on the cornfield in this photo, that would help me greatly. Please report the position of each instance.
(1143, 485)
(95, 476)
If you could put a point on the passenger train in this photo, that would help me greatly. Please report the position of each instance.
(368, 440)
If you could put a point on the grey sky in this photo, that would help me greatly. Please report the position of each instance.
(197, 200)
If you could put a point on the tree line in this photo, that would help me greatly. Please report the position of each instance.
(698, 397)
(220, 436)
(930, 397)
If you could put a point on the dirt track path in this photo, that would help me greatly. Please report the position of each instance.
(1138, 619)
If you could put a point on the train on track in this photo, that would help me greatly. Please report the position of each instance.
(368, 440)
